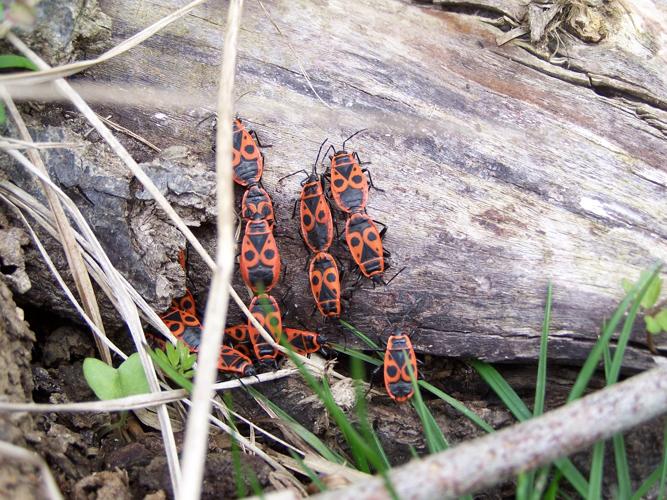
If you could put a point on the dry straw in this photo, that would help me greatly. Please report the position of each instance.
(196, 436)
(72, 253)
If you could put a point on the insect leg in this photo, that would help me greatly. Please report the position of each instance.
(370, 179)
(254, 134)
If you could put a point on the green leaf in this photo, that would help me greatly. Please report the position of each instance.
(172, 354)
(8, 61)
(652, 325)
(183, 352)
(188, 362)
(652, 293)
(3, 113)
(661, 318)
(132, 376)
(160, 359)
(102, 379)
(161, 355)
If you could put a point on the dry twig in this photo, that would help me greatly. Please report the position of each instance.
(481, 463)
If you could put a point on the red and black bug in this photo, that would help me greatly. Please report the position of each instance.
(238, 337)
(349, 186)
(183, 325)
(398, 356)
(247, 159)
(260, 260)
(365, 244)
(256, 205)
(232, 360)
(317, 226)
(187, 328)
(186, 303)
(325, 284)
(303, 342)
(265, 310)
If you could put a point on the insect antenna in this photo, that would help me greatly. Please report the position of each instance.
(357, 132)
(319, 151)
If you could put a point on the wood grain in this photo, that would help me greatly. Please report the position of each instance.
(497, 176)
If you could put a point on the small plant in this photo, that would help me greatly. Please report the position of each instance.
(108, 382)
(655, 311)
(176, 362)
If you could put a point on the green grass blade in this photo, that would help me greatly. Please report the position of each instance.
(624, 338)
(519, 409)
(308, 472)
(453, 402)
(241, 489)
(526, 481)
(313, 441)
(554, 487)
(357, 371)
(500, 386)
(663, 466)
(354, 353)
(591, 363)
(522, 486)
(457, 405)
(372, 344)
(648, 483)
(541, 385)
(254, 482)
(540, 482)
(435, 439)
(620, 453)
(361, 451)
(597, 466)
(572, 474)
(622, 467)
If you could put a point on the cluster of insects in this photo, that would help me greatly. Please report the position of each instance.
(345, 182)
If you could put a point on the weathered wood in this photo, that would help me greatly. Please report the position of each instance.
(500, 170)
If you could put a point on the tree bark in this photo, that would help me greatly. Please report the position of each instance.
(501, 169)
